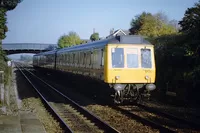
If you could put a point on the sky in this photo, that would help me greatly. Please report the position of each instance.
(44, 21)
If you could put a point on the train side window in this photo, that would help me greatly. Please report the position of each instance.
(68, 59)
(73, 58)
(78, 59)
(63, 59)
(102, 57)
(95, 58)
(99, 58)
(88, 58)
(84, 58)
(91, 54)
(81, 58)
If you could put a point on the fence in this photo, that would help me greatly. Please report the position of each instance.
(1, 87)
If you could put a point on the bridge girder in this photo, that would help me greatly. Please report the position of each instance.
(8, 52)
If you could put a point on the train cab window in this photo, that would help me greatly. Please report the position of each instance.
(146, 58)
(132, 58)
(117, 57)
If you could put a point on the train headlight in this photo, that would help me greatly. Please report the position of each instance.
(117, 77)
(119, 87)
(147, 77)
(150, 87)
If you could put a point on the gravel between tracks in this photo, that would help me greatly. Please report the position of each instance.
(109, 115)
(119, 121)
(183, 112)
(30, 102)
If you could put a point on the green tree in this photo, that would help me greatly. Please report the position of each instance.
(94, 37)
(3, 27)
(68, 40)
(190, 23)
(136, 23)
(5, 5)
(150, 25)
(9, 4)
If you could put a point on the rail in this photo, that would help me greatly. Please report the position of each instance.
(101, 124)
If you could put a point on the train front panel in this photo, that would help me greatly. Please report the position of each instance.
(130, 70)
(130, 64)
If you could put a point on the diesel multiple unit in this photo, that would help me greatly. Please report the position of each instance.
(126, 63)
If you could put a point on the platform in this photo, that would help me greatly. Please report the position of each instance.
(23, 123)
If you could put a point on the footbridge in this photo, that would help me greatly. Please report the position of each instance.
(14, 48)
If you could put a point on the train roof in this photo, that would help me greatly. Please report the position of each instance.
(46, 53)
(124, 39)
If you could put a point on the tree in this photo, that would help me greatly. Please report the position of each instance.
(94, 37)
(137, 22)
(150, 25)
(3, 27)
(68, 40)
(190, 23)
(9, 4)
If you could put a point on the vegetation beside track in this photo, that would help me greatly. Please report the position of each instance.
(176, 51)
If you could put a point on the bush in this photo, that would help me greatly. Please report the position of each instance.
(177, 64)
(4, 67)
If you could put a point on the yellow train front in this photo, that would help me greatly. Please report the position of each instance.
(126, 63)
(130, 70)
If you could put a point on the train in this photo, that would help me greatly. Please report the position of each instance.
(126, 63)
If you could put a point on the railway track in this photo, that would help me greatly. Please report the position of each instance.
(183, 113)
(170, 116)
(161, 120)
(165, 122)
(71, 116)
(143, 120)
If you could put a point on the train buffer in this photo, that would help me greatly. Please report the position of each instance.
(22, 123)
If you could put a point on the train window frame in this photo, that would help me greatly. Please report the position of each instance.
(149, 56)
(81, 58)
(73, 58)
(134, 51)
(91, 53)
(113, 63)
(77, 58)
(88, 58)
(102, 57)
(84, 57)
